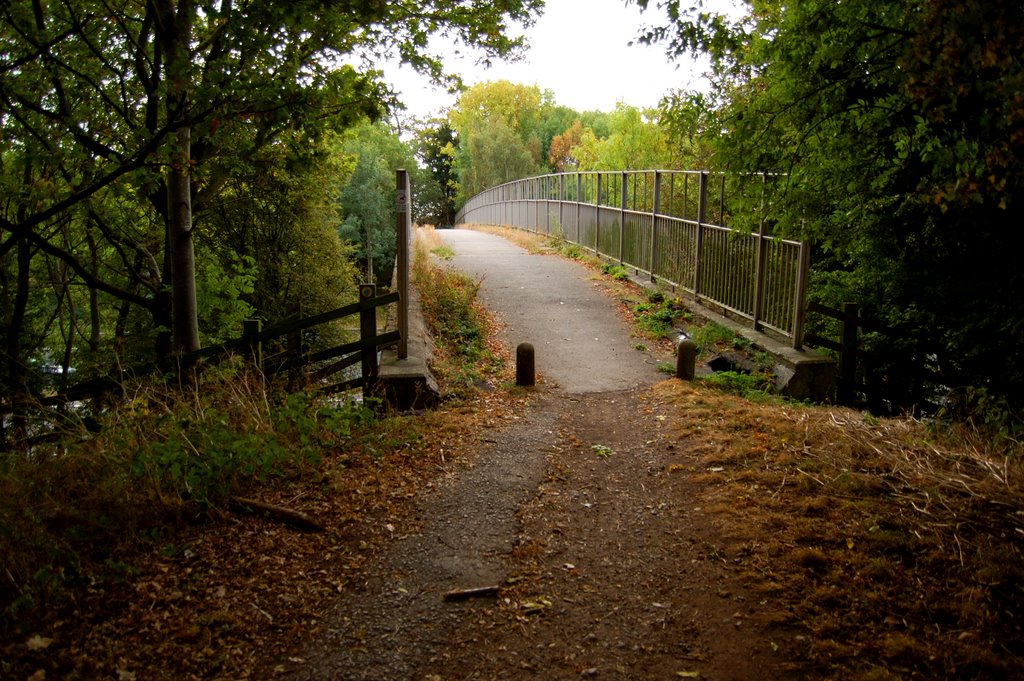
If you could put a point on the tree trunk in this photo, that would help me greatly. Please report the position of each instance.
(184, 311)
(95, 323)
(15, 362)
(175, 29)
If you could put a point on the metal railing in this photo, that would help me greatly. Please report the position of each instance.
(702, 232)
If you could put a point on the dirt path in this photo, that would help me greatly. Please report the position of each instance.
(607, 567)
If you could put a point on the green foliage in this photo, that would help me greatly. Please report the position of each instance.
(367, 195)
(458, 324)
(221, 294)
(501, 135)
(271, 209)
(565, 248)
(449, 306)
(658, 318)
(900, 137)
(711, 336)
(635, 142)
(434, 195)
(994, 417)
(755, 386)
(444, 252)
(230, 102)
(617, 272)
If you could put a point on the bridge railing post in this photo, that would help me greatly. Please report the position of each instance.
(702, 195)
(403, 222)
(623, 202)
(653, 260)
(799, 304)
(762, 247)
(579, 202)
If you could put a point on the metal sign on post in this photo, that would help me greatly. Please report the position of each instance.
(401, 200)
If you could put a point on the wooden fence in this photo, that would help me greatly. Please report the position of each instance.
(253, 342)
(901, 382)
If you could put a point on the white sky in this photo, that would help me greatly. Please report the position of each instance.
(578, 49)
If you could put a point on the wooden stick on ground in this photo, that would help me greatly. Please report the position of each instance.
(466, 594)
(286, 515)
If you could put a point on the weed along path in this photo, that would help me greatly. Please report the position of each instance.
(568, 548)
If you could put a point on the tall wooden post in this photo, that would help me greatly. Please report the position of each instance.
(403, 229)
(252, 330)
(848, 354)
(367, 332)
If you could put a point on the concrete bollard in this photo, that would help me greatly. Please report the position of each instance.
(524, 365)
(686, 359)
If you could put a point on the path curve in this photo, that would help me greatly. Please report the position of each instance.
(581, 343)
(573, 497)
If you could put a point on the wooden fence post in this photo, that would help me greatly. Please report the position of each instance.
(848, 355)
(367, 332)
(294, 344)
(402, 235)
(252, 330)
(799, 305)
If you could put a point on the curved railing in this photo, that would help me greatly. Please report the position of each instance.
(679, 227)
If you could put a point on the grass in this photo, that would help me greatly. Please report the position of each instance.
(891, 549)
(460, 327)
(755, 387)
(161, 454)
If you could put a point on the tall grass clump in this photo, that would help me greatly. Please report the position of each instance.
(659, 316)
(163, 457)
(459, 325)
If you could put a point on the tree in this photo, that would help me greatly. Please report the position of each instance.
(635, 142)
(497, 125)
(148, 107)
(434, 198)
(900, 130)
(277, 218)
(561, 155)
(367, 196)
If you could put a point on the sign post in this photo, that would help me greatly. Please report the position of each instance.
(403, 229)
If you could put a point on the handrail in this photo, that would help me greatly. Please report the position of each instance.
(682, 228)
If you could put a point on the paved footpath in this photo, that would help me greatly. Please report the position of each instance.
(393, 624)
(581, 343)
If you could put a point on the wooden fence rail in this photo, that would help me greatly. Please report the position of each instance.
(252, 343)
(897, 386)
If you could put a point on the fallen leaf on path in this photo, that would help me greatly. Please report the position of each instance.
(37, 642)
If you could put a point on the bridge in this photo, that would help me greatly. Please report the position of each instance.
(692, 232)
(682, 229)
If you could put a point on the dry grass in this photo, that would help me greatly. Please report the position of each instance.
(898, 553)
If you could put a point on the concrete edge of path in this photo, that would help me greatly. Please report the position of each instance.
(408, 383)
